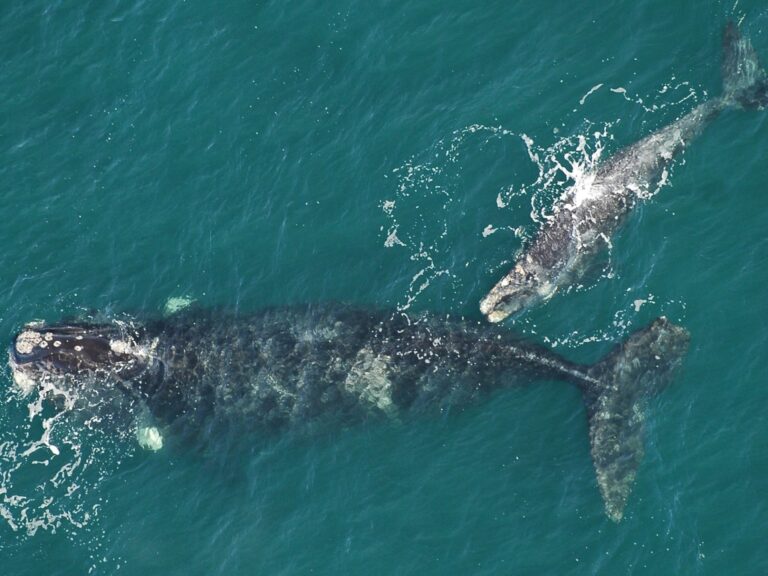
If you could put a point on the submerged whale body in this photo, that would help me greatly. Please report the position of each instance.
(586, 216)
(285, 367)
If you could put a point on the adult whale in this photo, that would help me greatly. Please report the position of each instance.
(286, 367)
(587, 215)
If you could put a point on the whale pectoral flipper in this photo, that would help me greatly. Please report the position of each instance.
(744, 80)
(619, 388)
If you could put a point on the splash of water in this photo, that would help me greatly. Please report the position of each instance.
(55, 461)
(417, 214)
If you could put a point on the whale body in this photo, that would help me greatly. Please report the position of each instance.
(284, 367)
(586, 216)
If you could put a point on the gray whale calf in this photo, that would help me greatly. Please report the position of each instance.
(587, 215)
(285, 367)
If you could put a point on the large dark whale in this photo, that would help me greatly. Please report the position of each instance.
(587, 215)
(285, 367)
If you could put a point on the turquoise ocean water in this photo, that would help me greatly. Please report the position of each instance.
(249, 154)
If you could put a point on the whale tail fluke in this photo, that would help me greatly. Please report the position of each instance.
(621, 383)
(745, 82)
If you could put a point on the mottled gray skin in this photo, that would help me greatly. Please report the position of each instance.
(586, 217)
(288, 367)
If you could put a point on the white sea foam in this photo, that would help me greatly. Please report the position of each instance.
(591, 91)
(418, 209)
(687, 92)
(54, 461)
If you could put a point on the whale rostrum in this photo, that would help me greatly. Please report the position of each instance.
(285, 367)
(587, 215)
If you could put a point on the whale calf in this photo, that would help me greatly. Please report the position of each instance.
(284, 367)
(587, 215)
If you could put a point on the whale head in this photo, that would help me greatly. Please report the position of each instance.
(526, 285)
(71, 354)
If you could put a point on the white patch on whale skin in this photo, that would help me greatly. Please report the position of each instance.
(176, 304)
(27, 340)
(496, 316)
(121, 347)
(368, 380)
(130, 348)
(546, 290)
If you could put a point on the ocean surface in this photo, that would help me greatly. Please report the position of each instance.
(395, 154)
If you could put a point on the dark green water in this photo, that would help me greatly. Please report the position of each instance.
(247, 154)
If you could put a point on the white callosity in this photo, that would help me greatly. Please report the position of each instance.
(27, 340)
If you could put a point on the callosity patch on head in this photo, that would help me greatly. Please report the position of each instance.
(27, 340)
